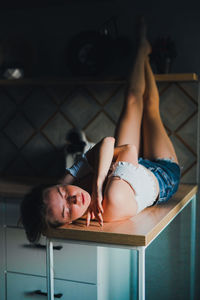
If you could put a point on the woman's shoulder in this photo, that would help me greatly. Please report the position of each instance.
(119, 200)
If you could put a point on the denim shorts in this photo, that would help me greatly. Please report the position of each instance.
(167, 173)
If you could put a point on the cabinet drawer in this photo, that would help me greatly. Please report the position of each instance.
(72, 262)
(21, 287)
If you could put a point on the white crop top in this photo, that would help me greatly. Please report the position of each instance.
(139, 179)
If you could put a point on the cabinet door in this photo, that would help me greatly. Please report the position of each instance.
(76, 262)
(22, 256)
(21, 287)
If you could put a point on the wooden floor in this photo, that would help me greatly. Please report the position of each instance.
(138, 231)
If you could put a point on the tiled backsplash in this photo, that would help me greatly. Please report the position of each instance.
(34, 121)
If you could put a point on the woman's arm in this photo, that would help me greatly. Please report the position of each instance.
(126, 153)
(98, 159)
(101, 158)
(119, 198)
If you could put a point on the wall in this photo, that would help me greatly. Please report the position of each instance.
(35, 119)
(48, 29)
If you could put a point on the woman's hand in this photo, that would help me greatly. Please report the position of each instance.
(102, 159)
(95, 209)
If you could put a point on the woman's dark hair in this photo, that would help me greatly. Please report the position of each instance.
(33, 212)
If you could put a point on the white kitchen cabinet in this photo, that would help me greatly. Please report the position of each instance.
(25, 287)
(72, 262)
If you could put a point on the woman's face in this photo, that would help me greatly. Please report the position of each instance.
(65, 203)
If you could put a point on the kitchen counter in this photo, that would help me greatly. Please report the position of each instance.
(138, 231)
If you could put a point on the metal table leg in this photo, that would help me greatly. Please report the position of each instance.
(49, 266)
(141, 273)
(192, 248)
(134, 275)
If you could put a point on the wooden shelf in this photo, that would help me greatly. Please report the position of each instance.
(18, 187)
(83, 81)
(177, 77)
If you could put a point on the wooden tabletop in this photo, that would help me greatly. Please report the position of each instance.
(138, 231)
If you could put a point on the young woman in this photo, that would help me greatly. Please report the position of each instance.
(111, 181)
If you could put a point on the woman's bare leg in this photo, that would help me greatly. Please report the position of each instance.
(128, 130)
(156, 143)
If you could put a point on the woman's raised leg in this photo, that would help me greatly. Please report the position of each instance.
(128, 129)
(156, 143)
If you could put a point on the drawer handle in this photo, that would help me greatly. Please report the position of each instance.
(40, 246)
(44, 247)
(39, 292)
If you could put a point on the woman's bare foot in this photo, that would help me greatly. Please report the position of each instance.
(144, 44)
